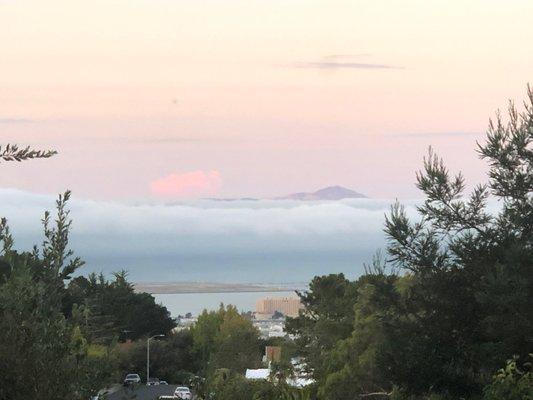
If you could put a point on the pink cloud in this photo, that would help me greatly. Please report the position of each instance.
(188, 184)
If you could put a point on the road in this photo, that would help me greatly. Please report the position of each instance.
(142, 392)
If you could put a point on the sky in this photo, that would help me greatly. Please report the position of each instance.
(169, 100)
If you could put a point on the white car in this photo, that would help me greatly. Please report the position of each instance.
(132, 378)
(182, 393)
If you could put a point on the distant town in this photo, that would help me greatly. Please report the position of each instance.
(268, 317)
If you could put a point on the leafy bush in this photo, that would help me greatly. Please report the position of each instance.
(511, 383)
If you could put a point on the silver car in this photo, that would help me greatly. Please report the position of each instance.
(131, 379)
(183, 393)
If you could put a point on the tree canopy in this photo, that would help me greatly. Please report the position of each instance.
(226, 339)
(453, 300)
(108, 309)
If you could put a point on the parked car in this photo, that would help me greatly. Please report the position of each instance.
(131, 379)
(182, 393)
(163, 382)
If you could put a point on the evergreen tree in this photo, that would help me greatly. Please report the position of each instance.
(36, 357)
(462, 304)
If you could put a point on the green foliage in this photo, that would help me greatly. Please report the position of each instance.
(226, 339)
(355, 365)
(289, 393)
(38, 351)
(44, 354)
(109, 309)
(229, 386)
(471, 297)
(329, 318)
(205, 333)
(463, 305)
(96, 370)
(289, 348)
(35, 357)
(171, 359)
(511, 383)
(58, 342)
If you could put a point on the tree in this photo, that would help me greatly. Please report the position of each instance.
(171, 359)
(356, 364)
(511, 383)
(473, 272)
(204, 333)
(58, 342)
(226, 339)
(109, 309)
(36, 357)
(328, 318)
(238, 344)
(463, 304)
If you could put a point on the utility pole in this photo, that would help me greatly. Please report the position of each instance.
(148, 356)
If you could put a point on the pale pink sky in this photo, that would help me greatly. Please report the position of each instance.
(150, 98)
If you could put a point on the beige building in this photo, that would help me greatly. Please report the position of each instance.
(272, 353)
(288, 306)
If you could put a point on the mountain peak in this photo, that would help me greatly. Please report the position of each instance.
(328, 193)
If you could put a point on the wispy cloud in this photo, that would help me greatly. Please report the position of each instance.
(168, 139)
(340, 57)
(435, 134)
(16, 120)
(343, 61)
(151, 139)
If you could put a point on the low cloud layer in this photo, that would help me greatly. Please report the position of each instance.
(230, 241)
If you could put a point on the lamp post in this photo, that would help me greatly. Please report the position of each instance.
(148, 356)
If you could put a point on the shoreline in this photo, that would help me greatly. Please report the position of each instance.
(201, 287)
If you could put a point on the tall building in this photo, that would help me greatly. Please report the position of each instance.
(288, 306)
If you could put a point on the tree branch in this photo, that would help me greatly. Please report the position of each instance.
(11, 152)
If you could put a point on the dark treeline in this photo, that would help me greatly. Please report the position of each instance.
(105, 309)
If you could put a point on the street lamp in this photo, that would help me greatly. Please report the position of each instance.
(148, 356)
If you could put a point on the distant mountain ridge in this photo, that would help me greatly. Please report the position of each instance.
(331, 193)
(328, 193)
